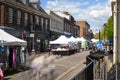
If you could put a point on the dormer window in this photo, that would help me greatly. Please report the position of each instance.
(35, 3)
(35, 6)
(25, 1)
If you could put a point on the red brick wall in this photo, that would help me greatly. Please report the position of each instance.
(82, 25)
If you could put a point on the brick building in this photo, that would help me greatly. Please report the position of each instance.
(19, 16)
(84, 28)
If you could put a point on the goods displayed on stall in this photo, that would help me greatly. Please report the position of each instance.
(60, 46)
(65, 45)
(12, 50)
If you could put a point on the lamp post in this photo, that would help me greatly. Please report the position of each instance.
(99, 34)
(104, 37)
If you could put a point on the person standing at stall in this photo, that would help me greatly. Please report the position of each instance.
(49, 48)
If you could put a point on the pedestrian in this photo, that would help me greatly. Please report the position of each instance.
(1, 72)
(49, 49)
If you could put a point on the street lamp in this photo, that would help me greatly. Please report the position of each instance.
(99, 34)
(104, 36)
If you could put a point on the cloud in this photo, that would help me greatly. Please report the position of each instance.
(96, 14)
(71, 7)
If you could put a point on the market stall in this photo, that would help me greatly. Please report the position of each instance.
(58, 46)
(12, 50)
(63, 45)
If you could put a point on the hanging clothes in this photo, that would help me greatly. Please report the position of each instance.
(14, 58)
(1, 74)
(22, 54)
(17, 56)
(7, 54)
(10, 56)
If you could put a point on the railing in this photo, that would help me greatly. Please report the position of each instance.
(100, 71)
(86, 73)
(112, 73)
(96, 69)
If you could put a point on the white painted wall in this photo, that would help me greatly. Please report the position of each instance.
(56, 22)
(63, 15)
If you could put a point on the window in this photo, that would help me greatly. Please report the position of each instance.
(35, 5)
(26, 19)
(32, 27)
(46, 24)
(31, 20)
(19, 17)
(42, 21)
(10, 15)
(37, 20)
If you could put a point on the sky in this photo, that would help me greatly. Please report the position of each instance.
(95, 12)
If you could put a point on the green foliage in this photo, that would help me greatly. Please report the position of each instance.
(107, 30)
(97, 36)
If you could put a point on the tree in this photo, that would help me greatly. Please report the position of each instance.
(109, 28)
(98, 35)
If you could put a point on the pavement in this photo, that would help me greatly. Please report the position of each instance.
(66, 68)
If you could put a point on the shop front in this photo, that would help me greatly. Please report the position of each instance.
(42, 41)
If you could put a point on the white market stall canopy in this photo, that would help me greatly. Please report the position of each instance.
(64, 40)
(94, 40)
(83, 39)
(72, 39)
(61, 40)
(7, 39)
(78, 39)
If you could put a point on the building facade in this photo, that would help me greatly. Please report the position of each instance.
(70, 28)
(84, 28)
(56, 25)
(27, 20)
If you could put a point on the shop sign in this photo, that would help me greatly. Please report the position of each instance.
(32, 35)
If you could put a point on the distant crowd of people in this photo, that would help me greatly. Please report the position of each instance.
(108, 47)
